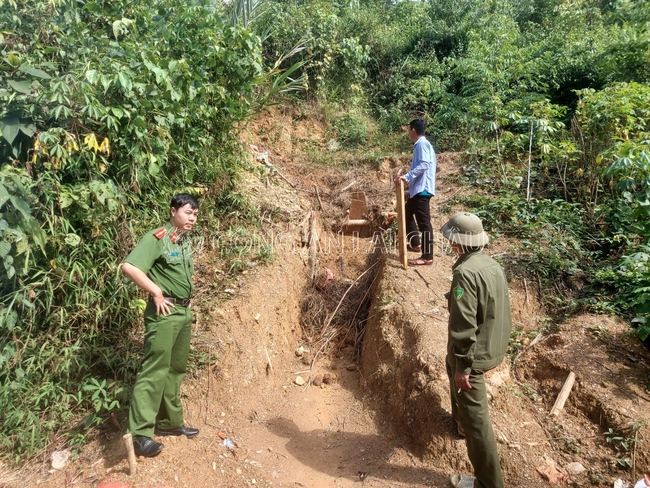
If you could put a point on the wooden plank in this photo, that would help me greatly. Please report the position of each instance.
(564, 394)
(358, 206)
(401, 224)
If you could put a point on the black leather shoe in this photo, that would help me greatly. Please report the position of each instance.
(146, 446)
(186, 431)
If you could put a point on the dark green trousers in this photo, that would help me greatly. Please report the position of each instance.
(470, 408)
(156, 394)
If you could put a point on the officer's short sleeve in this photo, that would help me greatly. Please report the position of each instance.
(145, 253)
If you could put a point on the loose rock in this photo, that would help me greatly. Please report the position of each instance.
(550, 473)
(329, 378)
(318, 380)
(60, 458)
(575, 468)
(299, 381)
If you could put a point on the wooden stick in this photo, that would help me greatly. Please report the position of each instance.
(564, 394)
(285, 179)
(351, 222)
(423, 278)
(526, 289)
(320, 202)
(348, 187)
(128, 442)
(265, 158)
(207, 396)
(401, 224)
(537, 339)
(313, 244)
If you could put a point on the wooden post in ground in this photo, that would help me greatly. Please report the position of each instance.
(564, 394)
(401, 224)
(128, 442)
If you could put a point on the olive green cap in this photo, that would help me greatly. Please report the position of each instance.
(466, 229)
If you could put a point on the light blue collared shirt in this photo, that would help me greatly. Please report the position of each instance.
(422, 176)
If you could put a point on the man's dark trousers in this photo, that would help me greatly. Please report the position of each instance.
(470, 409)
(417, 211)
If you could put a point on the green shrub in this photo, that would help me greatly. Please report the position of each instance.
(351, 130)
(107, 109)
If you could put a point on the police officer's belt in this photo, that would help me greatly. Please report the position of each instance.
(184, 302)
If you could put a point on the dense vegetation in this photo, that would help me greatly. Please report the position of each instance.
(109, 107)
(550, 101)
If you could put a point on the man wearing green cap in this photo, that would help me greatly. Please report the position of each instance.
(161, 264)
(479, 330)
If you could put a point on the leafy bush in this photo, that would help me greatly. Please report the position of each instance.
(351, 129)
(109, 109)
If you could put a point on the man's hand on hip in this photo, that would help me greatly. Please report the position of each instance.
(462, 381)
(162, 305)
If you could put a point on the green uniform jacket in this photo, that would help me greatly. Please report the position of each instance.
(479, 314)
(167, 261)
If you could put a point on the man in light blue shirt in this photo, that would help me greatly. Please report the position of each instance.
(421, 180)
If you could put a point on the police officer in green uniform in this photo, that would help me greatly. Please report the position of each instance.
(479, 330)
(161, 264)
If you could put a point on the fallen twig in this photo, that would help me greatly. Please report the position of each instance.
(348, 186)
(318, 196)
(423, 278)
(285, 178)
(526, 290)
(537, 339)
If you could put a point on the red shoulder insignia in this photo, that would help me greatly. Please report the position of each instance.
(174, 237)
(160, 233)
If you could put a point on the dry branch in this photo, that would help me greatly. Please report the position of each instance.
(320, 202)
(538, 338)
(423, 278)
(348, 187)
